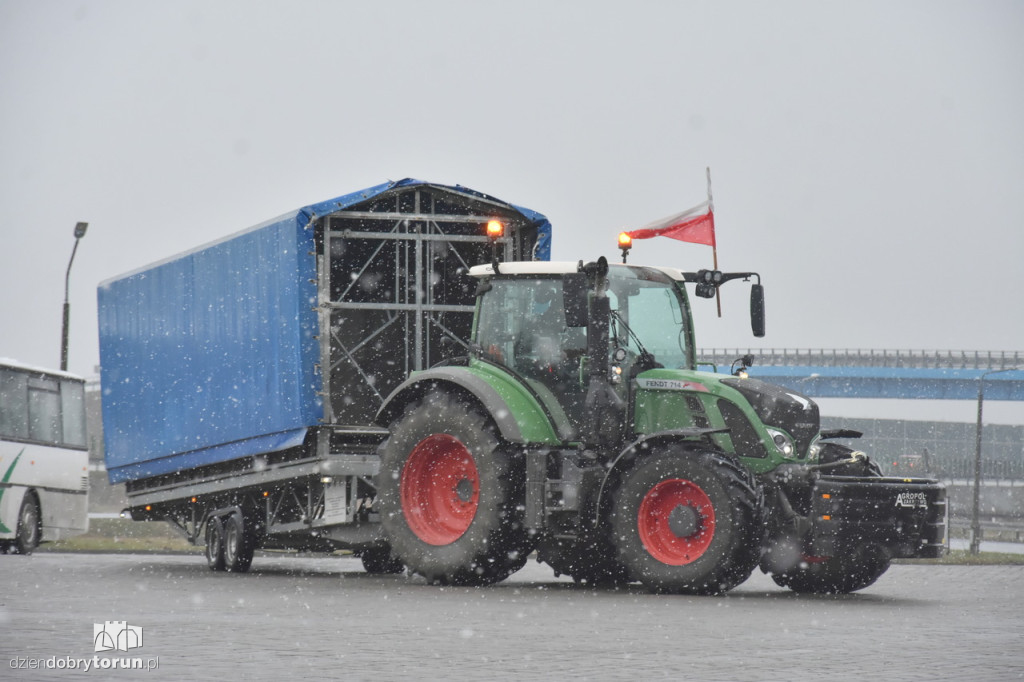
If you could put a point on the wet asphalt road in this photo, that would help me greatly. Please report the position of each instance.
(324, 617)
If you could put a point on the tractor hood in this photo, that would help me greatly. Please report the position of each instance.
(781, 407)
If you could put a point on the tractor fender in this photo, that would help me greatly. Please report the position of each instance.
(638, 448)
(510, 422)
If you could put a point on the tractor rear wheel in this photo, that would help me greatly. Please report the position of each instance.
(687, 521)
(450, 494)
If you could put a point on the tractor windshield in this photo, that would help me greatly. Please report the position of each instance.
(522, 323)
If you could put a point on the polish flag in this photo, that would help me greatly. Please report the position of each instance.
(696, 225)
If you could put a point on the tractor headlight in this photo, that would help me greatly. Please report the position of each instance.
(814, 450)
(783, 442)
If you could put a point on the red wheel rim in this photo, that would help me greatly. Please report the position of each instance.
(440, 489)
(676, 521)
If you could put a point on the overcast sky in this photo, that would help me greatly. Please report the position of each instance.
(867, 157)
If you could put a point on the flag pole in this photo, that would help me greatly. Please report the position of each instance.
(714, 243)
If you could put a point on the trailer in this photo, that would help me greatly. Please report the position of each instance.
(241, 380)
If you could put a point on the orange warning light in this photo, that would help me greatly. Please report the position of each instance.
(625, 243)
(495, 229)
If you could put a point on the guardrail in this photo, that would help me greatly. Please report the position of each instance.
(854, 357)
(1000, 529)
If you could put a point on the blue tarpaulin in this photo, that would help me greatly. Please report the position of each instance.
(211, 355)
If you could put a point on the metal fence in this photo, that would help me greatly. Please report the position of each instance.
(847, 357)
(943, 449)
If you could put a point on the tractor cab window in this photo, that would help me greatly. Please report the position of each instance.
(522, 325)
(650, 315)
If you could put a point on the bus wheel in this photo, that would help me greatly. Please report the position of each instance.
(215, 544)
(238, 545)
(28, 525)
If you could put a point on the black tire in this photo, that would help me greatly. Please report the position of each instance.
(29, 529)
(450, 494)
(837, 575)
(239, 546)
(215, 544)
(687, 521)
(589, 560)
(841, 574)
(378, 561)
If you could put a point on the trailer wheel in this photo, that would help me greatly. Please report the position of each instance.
(378, 561)
(836, 575)
(29, 531)
(688, 522)
(239, 546)
(449, 494)
(215, 544)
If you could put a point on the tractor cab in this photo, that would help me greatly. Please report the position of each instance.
(534, 319)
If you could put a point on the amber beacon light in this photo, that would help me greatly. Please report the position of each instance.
(495, 229)
(625, 243)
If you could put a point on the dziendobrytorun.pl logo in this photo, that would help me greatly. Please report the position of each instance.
(111, 635)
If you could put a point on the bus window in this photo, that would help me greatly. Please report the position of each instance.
(13, 415)
(72, 403)
(44, 410)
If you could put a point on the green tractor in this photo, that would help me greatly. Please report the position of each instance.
(578, 427)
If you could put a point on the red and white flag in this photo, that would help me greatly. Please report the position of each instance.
(696, 225)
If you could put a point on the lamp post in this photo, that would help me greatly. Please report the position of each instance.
(975, 520)
(80, 229)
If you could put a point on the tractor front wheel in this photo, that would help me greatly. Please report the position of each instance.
(837, 574)
(687, 521)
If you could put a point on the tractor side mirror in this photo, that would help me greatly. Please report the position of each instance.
(757, 309)
(574, 300)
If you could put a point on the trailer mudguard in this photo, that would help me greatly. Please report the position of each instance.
(518, 414)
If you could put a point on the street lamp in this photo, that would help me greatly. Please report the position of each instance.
(80, 229)
(975, 521)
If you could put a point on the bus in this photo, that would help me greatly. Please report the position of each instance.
(44, 458)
